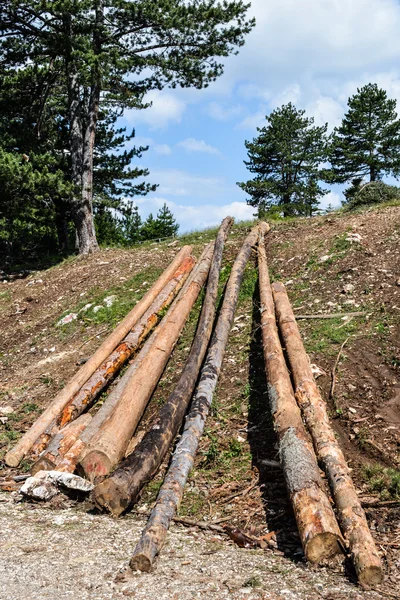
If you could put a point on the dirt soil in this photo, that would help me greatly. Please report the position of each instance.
(341, 263)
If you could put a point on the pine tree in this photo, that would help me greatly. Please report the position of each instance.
(166, 224)
(131, 223)
(109, 53)
(286, 158)
(367, 143)
(148, 230)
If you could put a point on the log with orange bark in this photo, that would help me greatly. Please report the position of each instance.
(110, 367)
(317, 525)
(14, 456)
(108, 445)
(351, 515)
(121, 489)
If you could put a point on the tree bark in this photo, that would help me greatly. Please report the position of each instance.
(318, 528)
(351, 515)
(14, 456)
(121, 489)
(78, 450)
(110, 367)
(171, 492)
(61, 443)
(109, 444)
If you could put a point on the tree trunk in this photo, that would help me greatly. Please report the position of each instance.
(79, 449)
(61, 443)
(121, 489)
(110, 367)
(318, 528)
(171, 492)
(109, 444)
(61, 222)
(351, 515)
(14, 456)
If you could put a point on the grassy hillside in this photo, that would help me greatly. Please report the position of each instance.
(339, 263)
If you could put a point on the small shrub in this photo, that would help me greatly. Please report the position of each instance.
(375, 192)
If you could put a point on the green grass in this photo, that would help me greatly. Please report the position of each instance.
(126, 296)
(385, 481)
(326, 336)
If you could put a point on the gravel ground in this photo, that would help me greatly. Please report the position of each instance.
(57, 554)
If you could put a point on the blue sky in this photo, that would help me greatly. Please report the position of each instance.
(314, 53)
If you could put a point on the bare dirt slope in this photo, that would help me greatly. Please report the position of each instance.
(336, 264)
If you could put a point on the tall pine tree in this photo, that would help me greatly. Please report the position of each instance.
(367, 143)
(286, 159)
(106, 53)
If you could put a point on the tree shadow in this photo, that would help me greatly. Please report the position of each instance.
(264, 448)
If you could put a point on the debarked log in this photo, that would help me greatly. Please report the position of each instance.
(70, 460)
(108, 445)
(121, 489)
(14, 456)
(350, 512)
(110, 367)
(316, 522)
(171, 492)
(61, 443)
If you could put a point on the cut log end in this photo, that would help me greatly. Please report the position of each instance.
(322, 546)
(371, 576)
(96, 464)
(111, 497)
(141, 562)
(12, 459)
(43, 464)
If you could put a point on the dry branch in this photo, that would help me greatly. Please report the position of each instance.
(14, 456)
(108, 445)
(171, 491)
(318, 528)
(351, 515)
(331, 315)
(121, 489)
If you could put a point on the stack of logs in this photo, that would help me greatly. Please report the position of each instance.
(67, 437)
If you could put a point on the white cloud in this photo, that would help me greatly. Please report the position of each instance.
(193, 145)
(254, 121)
(162, 149)
(332, 198)
(192, 217)
(174, 182)
(166, 108)
(221, 111)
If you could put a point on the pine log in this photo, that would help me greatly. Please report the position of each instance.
(110, 367)
(70, 460)
(316, 522)
(108, 445)
(119, 491)
(61, 443)
(350, 512)
(14, 456)
(171, 492)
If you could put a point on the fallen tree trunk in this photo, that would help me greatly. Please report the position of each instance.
(14, 456)
(69, 461)
(351, 515)
(61, 443)
(108, 445)
(171, 492)
(110, 367)
(316, 522)
(121, 489)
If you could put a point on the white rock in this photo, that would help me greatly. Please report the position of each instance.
(324, 258)
(109, 300)
(86, 307)
(348, 288)
(45, 484)
(6, 410)
(353, 237)
(67, 319)
(97, 308)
